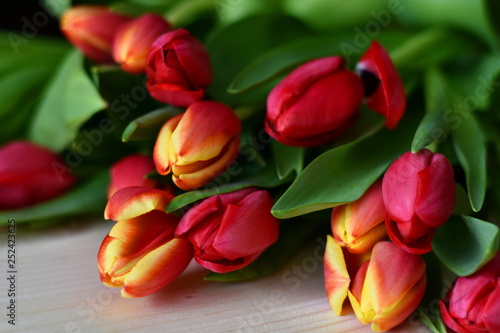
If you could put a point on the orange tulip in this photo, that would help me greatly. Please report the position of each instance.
(198, 145)
(92, 30)
(133, 42)
(360, 224)
(386, 289)
(141, 253)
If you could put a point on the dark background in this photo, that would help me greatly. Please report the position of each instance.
(11, 17)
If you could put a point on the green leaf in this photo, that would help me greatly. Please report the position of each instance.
(344, 173)
(87, 198)
(148, 125)
(469, 143)
(287, 159)
(293, 234)
(434, 322)
(434, 128)
(69, 100)
(464, 244)
(282, 59)
(265, 178)
(233, 47)
(56, 7)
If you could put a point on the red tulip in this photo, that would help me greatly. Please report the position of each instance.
(314, 104)
(133, 42)
(92, 29)
(30, 174)
(384, 88)
(178, 69)
(230, 230)
(131, 171)
(419, 196)
(360, 224)
(198, 145)
(386, 289)
(141, 253)
(473, 302)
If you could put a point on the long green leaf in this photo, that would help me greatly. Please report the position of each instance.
(469, 143)
(439, 101)
(69, 101)
(343, 174)
(87, 198)
(266, 178)
(147, 126)
(464, 244)
(287, 159)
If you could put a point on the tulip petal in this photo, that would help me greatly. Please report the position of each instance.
(252, 218)
(161, 151)
(399, 186)
(202, 177)
(337, 278)
(392, 273)
(394, 315)
(204, 130)
(158, 268)
(389, 97)
(134, 201)
(131, 171)
(417, 246)
(435, 192)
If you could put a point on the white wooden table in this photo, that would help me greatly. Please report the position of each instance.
(58, 289)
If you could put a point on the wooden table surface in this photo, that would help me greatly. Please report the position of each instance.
(58, 289)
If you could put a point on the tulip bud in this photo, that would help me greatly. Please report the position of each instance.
(178, 69)
(133, 41)
(472, 304)
(131, 171)
(419, 196)
(198, 145)
(141, 253)
(314, 104)
(386, 289)
(30, 174)
(92, 29)
(229, 231)
(359, 225)
(384, 90)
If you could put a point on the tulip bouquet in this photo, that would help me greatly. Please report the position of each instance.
(233, 132)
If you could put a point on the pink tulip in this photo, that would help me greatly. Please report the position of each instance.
(473, 302)
(229, 231)
(92, 30)
(314, 104)
(30, 174)
(131, 170)
(141, 253)
(178, 69)
(419, 196)
(133, 41)
(384, 88)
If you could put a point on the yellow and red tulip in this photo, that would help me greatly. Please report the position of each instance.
(472, 304)
(386, 289)
(383, 87)
(133, 41)
(30, 174)
(92, 30)
(141, 253)
(198, 145)
(229, 231)
(419, 196)
(131, 171)
(178, 69)
(360, 224)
